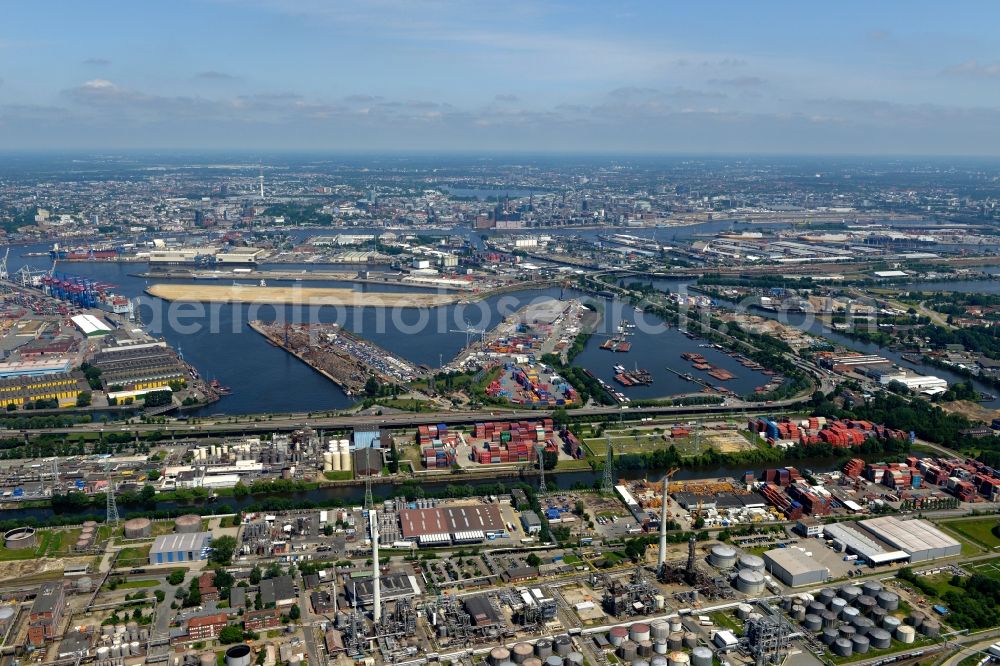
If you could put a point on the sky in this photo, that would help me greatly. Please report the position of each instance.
(600, 77)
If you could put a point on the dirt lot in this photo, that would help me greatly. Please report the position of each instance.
(205, 293)
(972, 410)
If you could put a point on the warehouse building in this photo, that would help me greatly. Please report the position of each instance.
(189, 547)
(64, 388)
(457, 524)
(393, 586)
(920, 539)
(138, 368)
(853, 540)
(794, 568)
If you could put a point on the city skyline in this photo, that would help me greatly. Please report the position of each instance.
(450, 77)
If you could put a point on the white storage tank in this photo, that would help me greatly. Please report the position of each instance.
(722, 556)
(345, 456)
(238, 655)
(701, 656)
(750, 582)
(335, 458)
(751, 562)
(678, 659)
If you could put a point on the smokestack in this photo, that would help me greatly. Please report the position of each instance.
(664, 514)
(376, 573)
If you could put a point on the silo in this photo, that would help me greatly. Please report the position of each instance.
(829, 619)
(574, 659)
(617, 635)
(690, 639)
(659, 630)
(327, 461)
(92, 524)
(837, 605)
(553, 660)
(871, 588)
(639, 632)
(345, 455)
(335, 457)
(701, 656)
(891, 623)
(849, 614)
(865, 604)
(521, 652)
(722, 556)
(930, 628)
(829, 636)
(678, 659)
(646, 649)
(860, 644)
(863, 625)
(751, 562)
(543, 648)
(888, 600)
(826, 595)
(628, 651)
(906, 634)
(676, 640)
(187, 524)
(798, 612)
(812, 622)
(850, 592)
(880, 638)
(498, 655)
(842, 647)
(786, 604)
(750, 582)
(562, 645)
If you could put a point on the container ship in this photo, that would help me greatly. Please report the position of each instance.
(86, 293)
(104, 253)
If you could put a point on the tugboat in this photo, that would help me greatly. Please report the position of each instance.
(219, 388)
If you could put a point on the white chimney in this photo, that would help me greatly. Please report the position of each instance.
(664, 514)
(376, 574)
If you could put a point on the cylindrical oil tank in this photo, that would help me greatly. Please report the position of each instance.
(787, 603)
(916, 619)
(660, 647)
(880, 638)
(754, 616)
(617, 635)
(815, 607)
(701, 656)
(826, 595)
(865, 604)
(132, 626)
(640, 662)
(906, 634)
(678, 659)
(661, 601)
(829, 619)
(877, 615)
(690, 639)
(646, 649)
(138, 528)
(658, 660)
(863, 625)
(553, 660)
(103, 652)
(675, 624)
(812, 622)
(871, 588)
(345, 458)
(562, 645)
(742, 612)
(84, 584)
(19, 538)
(639, 632)
(829, 636)
(930, 628)
(498, 655)
(750, 582)
(659, 630)
(543, 648)
(82, 544)
(887, 600)
(751, 562)
(860, 644)
(116, 653)
(126, 650)
(891, 623)
(574, 659)
(850, 592)
(847, 631)
(90, 523)
(676, 640)
(837, 605)
(532, 661)
(843, 647)
(521, 652)
(849, 614)
(107, 630)
(628, 650)
(136, 648)
(722, 556)
(798, 612)
(187, 523)
(335, 458)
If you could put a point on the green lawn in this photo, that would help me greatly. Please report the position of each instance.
(49, 543)
(989, 568)
(134, 555)
(339, 475)
(571, 559)
(896, 646)
(726, 621)
(979, 531)
(135, 584)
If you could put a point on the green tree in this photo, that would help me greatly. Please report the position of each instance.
(255, 575)
(176, 577)
(533, 560)
(230, 634)
(194, 594)
(372, 387)
(294, 613)
(223, 548)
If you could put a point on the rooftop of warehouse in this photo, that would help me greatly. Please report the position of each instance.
(176, 542)
(793, 560)
(910, 535)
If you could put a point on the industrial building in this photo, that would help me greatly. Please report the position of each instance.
(458, 524)
(139, 368)
(918, 538)
(46, 613)
(794, 567)
(189, 547)
(62, 387)
(90, 325)
(393, 586)
(279, 591)
(851, 539)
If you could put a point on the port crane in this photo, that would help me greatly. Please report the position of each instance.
(469, 332)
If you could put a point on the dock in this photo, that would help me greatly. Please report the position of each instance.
(310, 275)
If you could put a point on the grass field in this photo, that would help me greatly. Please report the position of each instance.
(896, 646)
(49, 543)
(339, 475)
(136, 584)
(726, 621)
(134, 555)
(979, 531)
(989, 568)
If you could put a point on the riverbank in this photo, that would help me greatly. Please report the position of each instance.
(307, 296)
